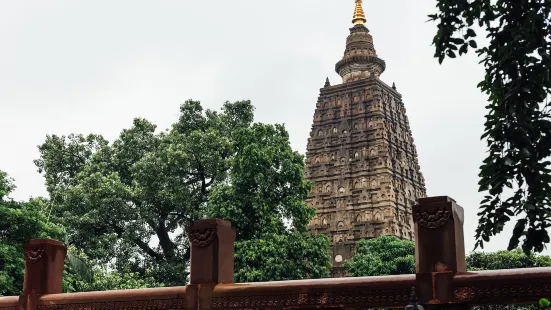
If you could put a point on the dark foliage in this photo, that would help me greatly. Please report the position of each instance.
(518, 128)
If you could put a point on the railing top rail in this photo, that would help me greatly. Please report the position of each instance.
(325, 282)
(519, 274)
(156, 296)
(9, 302)
(388, 291)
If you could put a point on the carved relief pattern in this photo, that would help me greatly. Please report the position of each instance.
(435, 220)
(156, 304)
(202, 238)
(34, 255)
(366, 298)
(516, 292)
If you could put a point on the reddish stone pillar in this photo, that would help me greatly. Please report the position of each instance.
(44, 261)
(212, 249)
(439, 249)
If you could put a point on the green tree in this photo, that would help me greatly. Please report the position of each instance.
(22, 221)
(381, 256)
(506, 260)
(518, 128)
(118, 197)
(19, 222)
(102, 279)
(282, 257)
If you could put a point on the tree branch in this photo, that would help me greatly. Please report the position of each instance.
(142, 245)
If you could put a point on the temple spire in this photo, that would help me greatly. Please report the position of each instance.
(359, 16)
(360, 59)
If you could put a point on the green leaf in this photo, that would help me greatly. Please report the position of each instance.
(463, 50)
(80, 267)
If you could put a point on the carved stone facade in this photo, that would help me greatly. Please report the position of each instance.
(361, 154)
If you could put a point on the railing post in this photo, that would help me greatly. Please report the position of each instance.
(212, 249)
(44, 261)
(439, 249)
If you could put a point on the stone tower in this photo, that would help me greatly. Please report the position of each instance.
(360, 153)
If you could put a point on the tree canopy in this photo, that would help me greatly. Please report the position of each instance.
(129, 203)
(22, 221)
(517, 128)
(100, 278)
(382, 256)
(506, 260)
(282, 257)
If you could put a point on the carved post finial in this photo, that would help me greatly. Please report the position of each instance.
(44, 262)
(327, 84)
(439, 247)
(393, 85)
(212, 242)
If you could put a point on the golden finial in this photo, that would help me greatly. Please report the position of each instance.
(359, 16)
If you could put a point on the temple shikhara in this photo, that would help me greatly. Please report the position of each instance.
(361, 154)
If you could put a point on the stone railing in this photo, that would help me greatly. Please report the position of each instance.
(441, 280)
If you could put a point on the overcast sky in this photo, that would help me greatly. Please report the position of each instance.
(70, 66)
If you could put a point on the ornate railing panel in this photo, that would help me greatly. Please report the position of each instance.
(510, 286)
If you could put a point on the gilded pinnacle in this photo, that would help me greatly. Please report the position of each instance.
(359, 16)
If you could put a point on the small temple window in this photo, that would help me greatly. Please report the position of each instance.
(341, 190)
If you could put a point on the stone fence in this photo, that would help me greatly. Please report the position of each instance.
(441, 280)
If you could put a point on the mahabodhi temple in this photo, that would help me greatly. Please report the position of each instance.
(360, 153)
